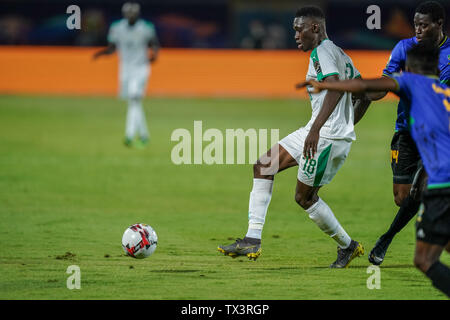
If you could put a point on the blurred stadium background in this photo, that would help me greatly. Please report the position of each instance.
(69, 188)
(39, 54)
(250, 24)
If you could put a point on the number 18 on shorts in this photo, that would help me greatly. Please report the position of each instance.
(319, 170)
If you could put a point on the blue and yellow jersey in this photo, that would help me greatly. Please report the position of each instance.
(397, 63)
(427, 102)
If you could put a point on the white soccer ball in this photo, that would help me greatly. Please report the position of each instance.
(139, 241)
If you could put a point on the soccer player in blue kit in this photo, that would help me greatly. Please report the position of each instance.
(427, 112)
(406, 166)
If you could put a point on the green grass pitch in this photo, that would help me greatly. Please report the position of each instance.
(68, 185)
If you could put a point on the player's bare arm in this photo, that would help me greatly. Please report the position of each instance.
(362, 100)
(329, 104)
(354, 85)
(110, 49)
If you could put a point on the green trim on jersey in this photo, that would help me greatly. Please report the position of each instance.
(327, 75)
(439, 185)
(315, 59)
(443, 41)
(113, 24)
(322, 165)
(316, 64)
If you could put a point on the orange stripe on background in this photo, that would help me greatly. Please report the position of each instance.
(178, 72)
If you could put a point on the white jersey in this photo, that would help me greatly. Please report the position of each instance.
(328, 59)
(132, 42)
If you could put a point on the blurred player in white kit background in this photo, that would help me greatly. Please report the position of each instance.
(132, 37)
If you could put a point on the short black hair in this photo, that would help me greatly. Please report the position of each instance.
(424, 56)
(310, 11)
(433, 8)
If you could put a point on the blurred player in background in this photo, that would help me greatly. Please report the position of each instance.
(132, 37)
(319, 149)
(406, 165)
(428, 113)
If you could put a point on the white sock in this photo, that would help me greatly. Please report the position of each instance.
(142, 123)
(257, 208)
(132, 118)
(322, 215)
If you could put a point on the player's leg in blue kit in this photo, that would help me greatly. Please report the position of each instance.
(408, 209)
(426, 259)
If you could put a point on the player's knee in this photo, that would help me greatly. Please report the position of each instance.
(303, 200)
(261, 171)
(257, 168)
(401, 191)
(398, 200)
(399, 197)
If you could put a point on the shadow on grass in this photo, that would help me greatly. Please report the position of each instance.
(394, 266)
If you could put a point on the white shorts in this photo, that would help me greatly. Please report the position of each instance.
(133, 82)
(329, 158)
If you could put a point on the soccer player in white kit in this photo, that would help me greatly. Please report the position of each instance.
(132, 37)
(319, 149)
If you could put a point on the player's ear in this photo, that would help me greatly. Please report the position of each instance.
(440, 23)
(315, 28)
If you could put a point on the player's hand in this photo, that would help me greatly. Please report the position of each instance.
(317, 86)
(310, 146)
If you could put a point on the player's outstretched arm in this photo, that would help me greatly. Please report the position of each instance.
(377, 95)
(354, 85)
(111, 48)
